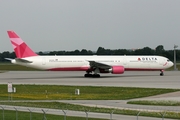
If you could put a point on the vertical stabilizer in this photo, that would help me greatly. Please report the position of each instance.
(20, 48)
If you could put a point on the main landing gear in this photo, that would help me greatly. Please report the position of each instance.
(92, 75)
(162, 73)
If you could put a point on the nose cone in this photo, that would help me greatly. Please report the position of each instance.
(171, 64)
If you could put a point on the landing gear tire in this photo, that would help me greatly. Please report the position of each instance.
(92, 75)
(88, 75)
(95, 75)
(162, 73)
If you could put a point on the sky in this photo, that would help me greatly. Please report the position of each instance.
(54, 25)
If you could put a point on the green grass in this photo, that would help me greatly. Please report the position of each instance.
(58, 92)
(13, 67)
(155, 102)
(11, 115)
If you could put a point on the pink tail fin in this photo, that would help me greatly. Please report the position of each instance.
(20, 48)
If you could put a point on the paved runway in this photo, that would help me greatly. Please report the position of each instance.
(150, 79)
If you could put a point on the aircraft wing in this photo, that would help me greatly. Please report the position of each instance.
(95, 64)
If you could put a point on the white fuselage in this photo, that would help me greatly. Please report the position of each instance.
(81, 63)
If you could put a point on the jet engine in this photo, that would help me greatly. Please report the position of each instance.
(117, 70)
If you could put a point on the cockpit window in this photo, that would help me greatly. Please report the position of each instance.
(168, 60)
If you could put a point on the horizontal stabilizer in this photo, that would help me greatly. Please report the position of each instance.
(9, 59)
(22, 60)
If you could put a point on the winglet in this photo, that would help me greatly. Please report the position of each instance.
(20, 48)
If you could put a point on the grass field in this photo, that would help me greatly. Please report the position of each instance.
(58, 92)
(13, 67)
(11, 115)
(155, 102)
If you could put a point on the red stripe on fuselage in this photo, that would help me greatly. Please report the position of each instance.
(87, 68)
(70, 69)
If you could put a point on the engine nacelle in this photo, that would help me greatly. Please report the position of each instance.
(117, 70)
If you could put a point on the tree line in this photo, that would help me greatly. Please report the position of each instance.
(159, 50)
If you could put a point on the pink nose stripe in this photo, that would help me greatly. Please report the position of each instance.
(165, 64)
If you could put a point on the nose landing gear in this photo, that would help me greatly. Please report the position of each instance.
(162, 73)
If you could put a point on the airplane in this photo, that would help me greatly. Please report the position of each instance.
(92, 65)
